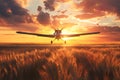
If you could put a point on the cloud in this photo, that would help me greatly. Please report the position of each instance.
(89, 15)
(23, 3)
(99, 7)
(43, 18)
(49, 5)
(12, 12)
(31, 27)
(39, 8)
(108, 33)
(62, 0)
(105, 29)
(60, 16)
(56, 22)
(14, 16)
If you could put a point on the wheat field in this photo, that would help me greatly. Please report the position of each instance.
(60, 62)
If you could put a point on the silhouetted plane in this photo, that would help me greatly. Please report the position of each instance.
(57, 34)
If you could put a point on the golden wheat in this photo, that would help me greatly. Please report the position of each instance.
(63, 63)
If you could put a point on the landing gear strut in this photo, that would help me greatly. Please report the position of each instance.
(55, 39)
(65, 42)
(51, 42)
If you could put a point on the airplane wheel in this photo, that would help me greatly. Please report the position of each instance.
(51, 42)
(65, 42)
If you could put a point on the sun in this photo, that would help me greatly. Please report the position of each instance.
(65, 31)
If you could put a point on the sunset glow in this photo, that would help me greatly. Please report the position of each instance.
(74, 16)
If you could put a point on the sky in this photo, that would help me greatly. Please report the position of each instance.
(74, 16)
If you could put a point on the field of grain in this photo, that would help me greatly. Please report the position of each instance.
(60, 62)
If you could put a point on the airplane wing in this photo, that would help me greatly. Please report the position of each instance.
(43, 35)
(75, 35)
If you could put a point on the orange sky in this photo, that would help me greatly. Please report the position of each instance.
(75, 16)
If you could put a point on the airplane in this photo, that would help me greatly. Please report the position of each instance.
(57, 35)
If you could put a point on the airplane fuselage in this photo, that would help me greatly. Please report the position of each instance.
(57, 34)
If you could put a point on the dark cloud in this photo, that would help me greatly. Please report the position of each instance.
(49, 5)
(98, 7)
(12, 12)
(39, 8)
(43, 18)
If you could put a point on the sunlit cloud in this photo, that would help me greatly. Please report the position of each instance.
(100, 7)
(23, 3)
(74, 16)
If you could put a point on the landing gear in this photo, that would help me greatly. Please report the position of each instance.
(51, 42)
(55, 39)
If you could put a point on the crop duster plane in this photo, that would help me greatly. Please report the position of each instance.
(57, 35)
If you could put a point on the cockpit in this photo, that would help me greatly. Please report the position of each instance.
(57, 32)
